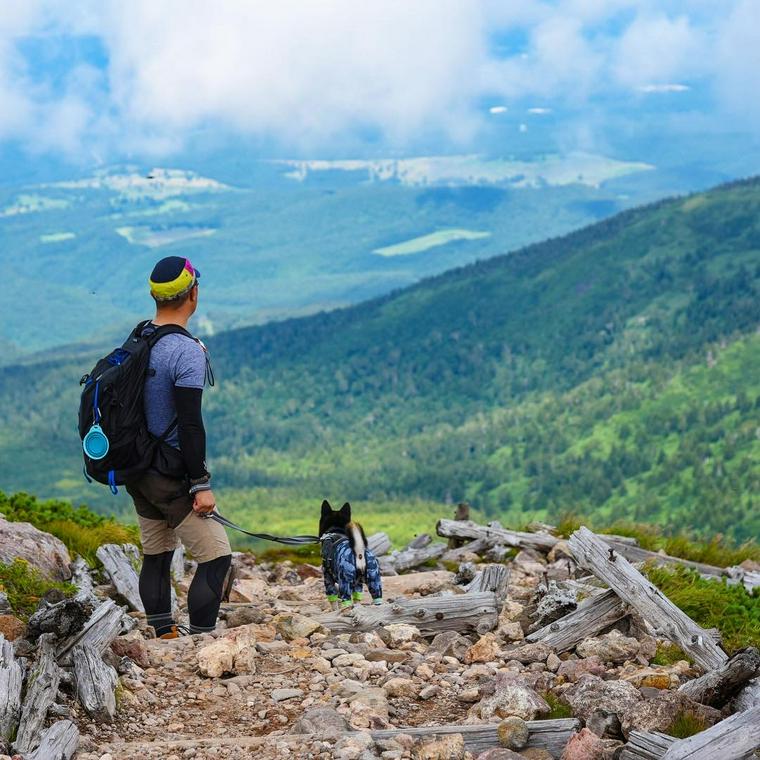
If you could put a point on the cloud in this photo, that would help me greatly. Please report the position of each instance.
(314, 76)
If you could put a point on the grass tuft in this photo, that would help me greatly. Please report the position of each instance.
(24, 586)
(685, 725)
(558, 708)
(669, 654)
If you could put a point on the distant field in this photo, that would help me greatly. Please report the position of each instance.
(155, 238)
(424, 242)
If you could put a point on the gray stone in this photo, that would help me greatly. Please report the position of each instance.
(280, 695)
(21, 540)
(658, 713)
(528, 653)
(245, 616)
(321, 721)
(612, 647)
(450, 644)
(591, 693)
(513, 733)
(511, 696)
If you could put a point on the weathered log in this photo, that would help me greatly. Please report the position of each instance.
(637, 555)
(413, 557)
(64, 618)
(551, 735)
(11, 681)
(717, 686)
(632, 587)
(59, 742)
(493, 578)
(750, 579)
(95, 683)
(118, 565)
(646, 745)
(41, 690)
(379, 544)
(81, 577)
(431, 614)
(99, 631)
(495, 535)
(178, 563)
(732, 738)
(592, 616)
(478, 546)
(462, 513)
(748, 697)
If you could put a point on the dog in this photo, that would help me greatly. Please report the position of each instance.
(347, 563)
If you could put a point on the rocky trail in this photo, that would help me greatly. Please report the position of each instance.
(535, 647)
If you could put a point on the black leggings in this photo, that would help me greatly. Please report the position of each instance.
(203, 598)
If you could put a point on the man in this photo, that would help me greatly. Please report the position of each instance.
(171, 507)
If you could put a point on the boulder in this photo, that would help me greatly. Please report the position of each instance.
(401, 687)
(323, 721)
(449, 747)
(511, 631)
(513, 733)
(660, 712)
(655, 676)
(369, 708)
(291, 625)
(400, 633)
(485, 649)
(21, 540)
(572, 670)
(591, 693)
(133, 647)
(233, 653)
(606, 725)
(451, 644)
(511, 696)
(11, 627)
(245, 616)
(282, 695)
(612, 647)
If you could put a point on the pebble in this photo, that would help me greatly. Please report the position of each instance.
(281, 695)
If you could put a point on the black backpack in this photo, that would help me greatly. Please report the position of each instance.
(116, 443)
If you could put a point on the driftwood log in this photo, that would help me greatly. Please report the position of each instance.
(416, 555)
(82, 579)
(41, 690)
(65, 618)
(95, 683)
(433, 614)
(493, 578)
(117, 562)
(99, 631)
(495, 535)
(750, 579)
(646, 745)
(59, 742)
(749, 696)
(592, 616)
(732, 738)
(632, 587)
(716, 687)
(551, 735)
(478, 546)
(11, 681)
(379, 544)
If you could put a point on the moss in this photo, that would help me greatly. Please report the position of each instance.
(25, 586)
(712, 604)
(558, 708)
(686, 724)
(669, 654)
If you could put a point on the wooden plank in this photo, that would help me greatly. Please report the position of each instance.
(592, 616)
(59, 742)
(11, 681)
(467, 529)
(631, 586)
(431, 614)
(716, 687)
(118, 565)
(41, 690)
(646, 745)
(732, 738)
(95, 683)
(99, 631)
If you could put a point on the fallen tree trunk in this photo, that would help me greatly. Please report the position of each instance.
(95, 683)
(550, 735)
(637, 554)
(59, 742)
(11, 681)
(591, 617)
(478, 546)
(64, 618)
(495, 535)
(716, 687)
(632, 587)
(82, 579)
(379, 544)
(750, 579)
(733, 737)
(749, 696)
(118, 565)
(98, 632)
(493, 578)
(413, 557)
(433, 614)
(41, 690)
(646, 745)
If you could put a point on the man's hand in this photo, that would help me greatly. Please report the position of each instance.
(204, 502)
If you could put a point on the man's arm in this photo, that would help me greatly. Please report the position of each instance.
(192, 434)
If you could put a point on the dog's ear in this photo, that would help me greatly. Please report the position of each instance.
(326, 508)
(345, 511)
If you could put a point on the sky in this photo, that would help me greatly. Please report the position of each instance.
(95, 81)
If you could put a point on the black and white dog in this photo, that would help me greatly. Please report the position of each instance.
(347, 563)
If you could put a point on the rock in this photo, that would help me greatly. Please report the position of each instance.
(591, 693)
(323, 721)
(572, 670)
(465, 573)
(485, 649)
(659, 713)
(510, 611)
(291, 625)
(21, 540)
(428, 692)
(513, 733)
(560, 550)
(612, 647)
(555, 603)
(132, 647)
(401, 687)
(451, 644)
(281, 695)
(527, 653)
(449, 747)
(244, 616)
(11, 627)
(249, 590)
(511, 631)
(369, 708)
(234, 653)
(512, 696)
(553, 662)
(535, 753)
(501, 753)
(606, 725)
(401, 633)
(5, 605)
(426, 583)
(386, 655)
(584, 745)
(655, 676)
(469, 695)
(358, 746)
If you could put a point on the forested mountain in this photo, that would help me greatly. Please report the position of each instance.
(614, 372)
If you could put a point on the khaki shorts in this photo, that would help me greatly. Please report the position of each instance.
(165, 514)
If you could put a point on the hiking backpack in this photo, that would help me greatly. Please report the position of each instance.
(116, 443)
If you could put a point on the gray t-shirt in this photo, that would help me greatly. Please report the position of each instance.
(177, 360)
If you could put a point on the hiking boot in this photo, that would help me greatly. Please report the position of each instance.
(176, 632)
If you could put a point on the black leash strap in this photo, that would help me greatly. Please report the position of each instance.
(290, 540)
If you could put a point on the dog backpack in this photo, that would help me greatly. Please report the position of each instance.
(116, 442)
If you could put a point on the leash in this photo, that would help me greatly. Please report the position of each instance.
(289, 540)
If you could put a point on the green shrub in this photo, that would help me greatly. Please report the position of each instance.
(712, 604)
(685, 725)
(24, 586)
(86, 540)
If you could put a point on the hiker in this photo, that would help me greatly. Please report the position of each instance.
(173, 506)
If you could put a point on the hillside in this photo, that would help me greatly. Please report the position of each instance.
(614, 372)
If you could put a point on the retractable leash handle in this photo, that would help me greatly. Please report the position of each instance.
(289, 540)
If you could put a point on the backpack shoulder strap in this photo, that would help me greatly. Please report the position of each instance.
(158, 332)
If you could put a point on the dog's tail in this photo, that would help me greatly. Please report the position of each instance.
(358, 543)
